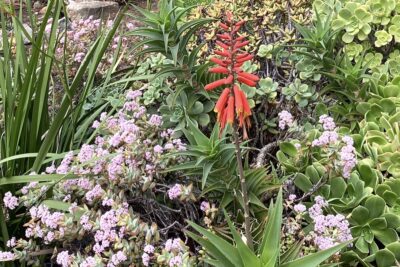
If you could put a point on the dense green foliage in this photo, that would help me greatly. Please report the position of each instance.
(111, 154)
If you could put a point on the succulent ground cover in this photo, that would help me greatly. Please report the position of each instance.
(201, 133)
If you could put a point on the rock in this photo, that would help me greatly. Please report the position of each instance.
(29, 32)
(97, 9)
(25, 39)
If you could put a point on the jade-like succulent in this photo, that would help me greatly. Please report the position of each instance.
(374, 225)
(301, 93)
(154, 91)
(353, 50)
(309, 68)
(372, 60)
(185, 106)
(394, 28)
(381, 133)
(381, 10)
(394, 63)
(265, 51)
(382, 38)
(354, 18)
(267, 88)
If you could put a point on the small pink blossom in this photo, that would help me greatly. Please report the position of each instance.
(10, 201)
(175, 191)
(285, 119)
(64, 259)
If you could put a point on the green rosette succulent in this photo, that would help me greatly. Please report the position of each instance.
(178, 109)
(355, 19)
(381, 10)
(382, 38)
(301, 93)
(394, 28)
(381, 132)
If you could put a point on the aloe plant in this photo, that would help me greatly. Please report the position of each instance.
(213, 159)
(220, 252)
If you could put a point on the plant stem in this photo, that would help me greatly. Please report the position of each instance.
(3, 225)
(247, 224)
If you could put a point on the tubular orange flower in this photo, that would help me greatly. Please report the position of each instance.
(231, 110)
(241, 44)
(219, 70)
(246, 106)
(224, 36)
(222, 120)
(223, 53)
(215, 84)
(238, 100)
(229, 80)
(224, 26)
(240, 23)
(249, 76)
(246, 58)
(247, 81)
(221, 103)
(221, 44)
(218, 61)
(239, 56)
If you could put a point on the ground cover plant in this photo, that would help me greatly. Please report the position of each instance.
(200, 133)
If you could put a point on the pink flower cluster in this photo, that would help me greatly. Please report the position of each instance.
(175, 191)
(10, 201)
(176, 248)
(148, 250)
(64, 259)
(329, 136)
(348, 156)
(173, 253)
(6, 256)
(327, 122)
(329, 230)
(285, 119)
(317, 209)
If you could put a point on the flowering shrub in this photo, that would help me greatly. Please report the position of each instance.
(74, 43)
(123, 163)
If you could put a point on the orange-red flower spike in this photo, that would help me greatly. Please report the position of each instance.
(232, 104)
